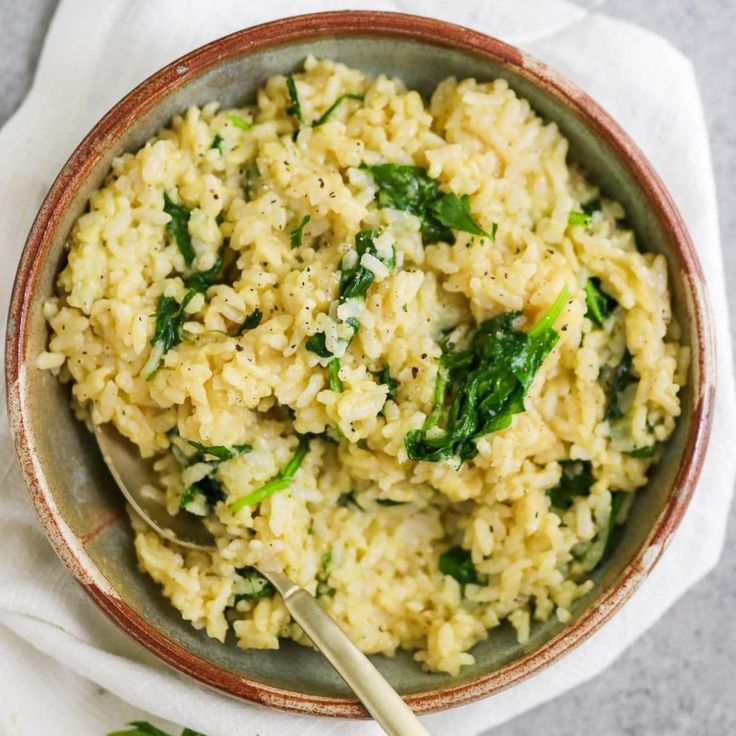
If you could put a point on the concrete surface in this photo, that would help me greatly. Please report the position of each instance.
(679, 679)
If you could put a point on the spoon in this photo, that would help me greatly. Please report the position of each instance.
(133, 473)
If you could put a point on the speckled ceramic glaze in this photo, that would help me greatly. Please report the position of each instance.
(75, 497)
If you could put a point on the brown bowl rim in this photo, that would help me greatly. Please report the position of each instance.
(281, 32)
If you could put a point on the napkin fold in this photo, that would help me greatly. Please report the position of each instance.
(65, 668)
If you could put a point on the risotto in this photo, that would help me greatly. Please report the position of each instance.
(401, 350)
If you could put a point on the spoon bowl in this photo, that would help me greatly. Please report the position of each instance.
(136, 478)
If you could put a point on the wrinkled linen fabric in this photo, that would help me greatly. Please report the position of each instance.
(66, 669)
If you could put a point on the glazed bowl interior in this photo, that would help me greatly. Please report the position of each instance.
(82, 509)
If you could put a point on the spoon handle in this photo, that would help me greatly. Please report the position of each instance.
(379, 698)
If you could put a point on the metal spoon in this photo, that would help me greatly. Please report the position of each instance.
(133, 473)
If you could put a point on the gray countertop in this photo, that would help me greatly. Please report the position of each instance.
(679, 678)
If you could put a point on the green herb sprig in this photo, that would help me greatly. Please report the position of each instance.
(584, 216)
(333, 376)
(295, 108)
(280, 483)
(239, 122)
(250, 322)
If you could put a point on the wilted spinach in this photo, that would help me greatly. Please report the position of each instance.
(178, 227)
(410, 188)
(599, 304)
(576, 479)
(486, 384)
(458, 563)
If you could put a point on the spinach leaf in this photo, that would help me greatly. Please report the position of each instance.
(170, 320)
(209, 488)
(623, 377)
(178, 227)
(404, 187)
(202, 280)
(599, 304)
(494, 230)
(576, 479)
(486, 384)
(453, 211)
(458, 563)
(352, 322)
(206, 492)
(217, 143)
(410, 188)
(252, 585)
(280, 482)
(355, 280)
(590, 208)
(384, 377)
(239, 122)
(316, 344)
(295, 239)
(168, 332)
(250, 322)
(390, 502)
(354, 283)
(357, 285)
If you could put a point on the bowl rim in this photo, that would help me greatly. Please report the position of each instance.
(146, 95)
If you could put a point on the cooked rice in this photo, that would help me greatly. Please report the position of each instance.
(374, 566)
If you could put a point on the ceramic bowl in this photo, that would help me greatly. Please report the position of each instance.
(75, 497)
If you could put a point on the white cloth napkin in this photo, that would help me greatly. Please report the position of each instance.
(59, 654)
